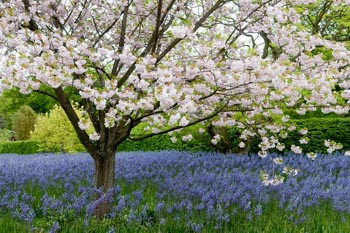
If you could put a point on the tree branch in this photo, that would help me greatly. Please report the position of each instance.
(180, 127)
(167, 11)
(33, 26)
(92, 115)
(121, 40)
(47, 94)
(107, 30)
(217, 5)
(74, 119)
(156, 31)
(266, 45)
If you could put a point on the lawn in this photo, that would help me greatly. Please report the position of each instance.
(175, 192)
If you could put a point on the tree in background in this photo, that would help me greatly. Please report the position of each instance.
(38, 102)
(5, 114)
(54, 133)
(13, 99)
(171, 64)
(327, 19)
(23, 122)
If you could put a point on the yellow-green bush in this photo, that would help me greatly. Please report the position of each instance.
(5, 135)
(54, 133)
(23, 122)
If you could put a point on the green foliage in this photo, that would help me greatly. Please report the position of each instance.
(233, 134)
(38, 102)
(329, 20)
(54, 133)
(12, 100)
(163, 142)
(319, 130)
(5, 134)
(6, 112)
(316, 114)
(229, 139)
(200, 142)
(23, 122)
(19, 147)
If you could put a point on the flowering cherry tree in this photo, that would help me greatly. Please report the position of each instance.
(171, 64)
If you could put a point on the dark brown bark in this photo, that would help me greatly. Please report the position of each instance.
(104, 180)
(247, 148)
(74, 119)
(224, 145)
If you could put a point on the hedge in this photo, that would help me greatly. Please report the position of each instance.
(163, 142)
(156, 143)
(319, 130)
(19, 147)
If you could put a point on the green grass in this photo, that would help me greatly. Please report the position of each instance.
(319, 220)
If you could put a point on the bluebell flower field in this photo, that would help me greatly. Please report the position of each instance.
(175, 192)
(175, 116)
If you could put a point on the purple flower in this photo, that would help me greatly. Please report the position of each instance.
(209, 184)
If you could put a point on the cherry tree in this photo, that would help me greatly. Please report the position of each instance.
(170, 64)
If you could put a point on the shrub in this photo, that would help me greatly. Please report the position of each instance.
(54, 133)
(6, 112)
(19, 147)
(5, 135)
(23, 122)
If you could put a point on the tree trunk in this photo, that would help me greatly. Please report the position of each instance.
(104, 168)
(247, 148)
(224, 145)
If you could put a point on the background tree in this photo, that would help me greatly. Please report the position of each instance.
(38, 102)
(169, 63)
(23, 122)
(54, 133)
(5, 114)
